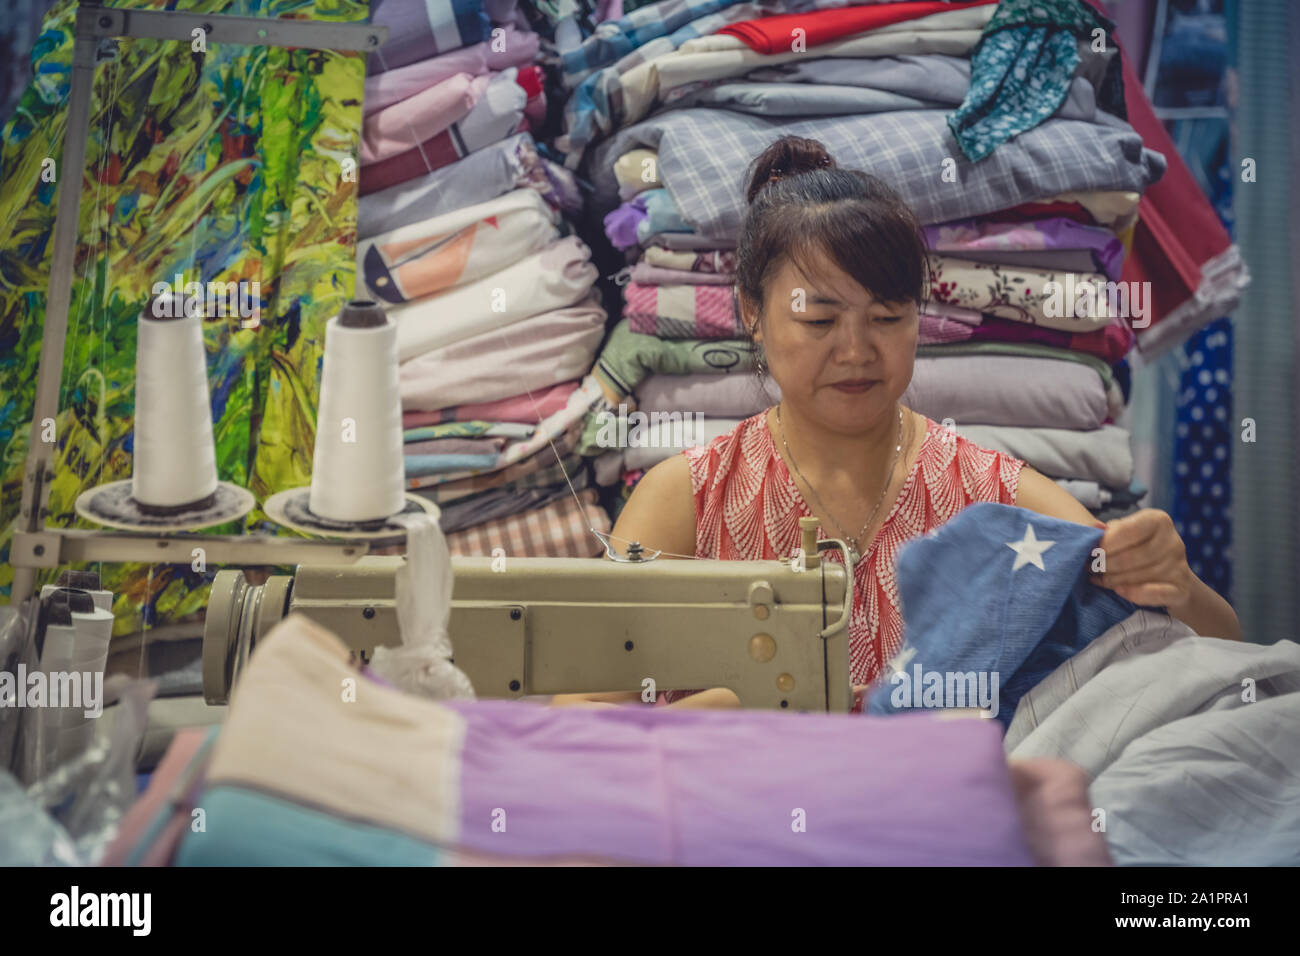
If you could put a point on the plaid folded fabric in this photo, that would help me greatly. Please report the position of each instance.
(538, 470)
(702, 153)
(682, 311)
(617, 38)
(623, 94)
(561, 529)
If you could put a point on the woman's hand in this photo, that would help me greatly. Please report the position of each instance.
(1146, 561)
(607, 699)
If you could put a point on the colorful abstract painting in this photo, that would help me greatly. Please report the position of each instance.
(230, 164)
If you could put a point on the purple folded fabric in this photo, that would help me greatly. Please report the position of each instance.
(655, 786)
(385, 89)
(621, 223)
(960, 236)
(418, 29)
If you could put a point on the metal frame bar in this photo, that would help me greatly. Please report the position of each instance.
(95, 23)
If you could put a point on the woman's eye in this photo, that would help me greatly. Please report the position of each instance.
(891, 318)
(820, 323)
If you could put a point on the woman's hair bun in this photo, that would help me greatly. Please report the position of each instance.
(788, 156)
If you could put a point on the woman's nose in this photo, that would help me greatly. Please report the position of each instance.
(857, 343)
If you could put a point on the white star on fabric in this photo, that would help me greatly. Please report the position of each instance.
(901, 659)
(1029, 550)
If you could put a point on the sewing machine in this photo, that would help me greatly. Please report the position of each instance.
(774, 632)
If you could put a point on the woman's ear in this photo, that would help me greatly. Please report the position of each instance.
(749, 315)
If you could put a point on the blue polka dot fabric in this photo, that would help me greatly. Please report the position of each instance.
(1202, 491)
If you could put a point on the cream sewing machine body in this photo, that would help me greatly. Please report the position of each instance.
(774, 632)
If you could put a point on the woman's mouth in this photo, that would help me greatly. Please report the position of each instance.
(855, 386)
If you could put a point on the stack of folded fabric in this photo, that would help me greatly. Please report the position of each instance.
(463, 237)
(1030, 183)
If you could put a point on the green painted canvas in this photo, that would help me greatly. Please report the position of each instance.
(228, 164)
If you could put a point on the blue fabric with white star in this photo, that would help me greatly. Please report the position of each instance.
(996, 590)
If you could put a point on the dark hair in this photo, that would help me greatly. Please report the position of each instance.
(801, 205)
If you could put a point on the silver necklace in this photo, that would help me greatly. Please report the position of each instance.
(852, 539)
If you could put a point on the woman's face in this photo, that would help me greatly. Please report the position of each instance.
(840, 357)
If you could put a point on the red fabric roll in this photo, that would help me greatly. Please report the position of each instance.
(772, 34)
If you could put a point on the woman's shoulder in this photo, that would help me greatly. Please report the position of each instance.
(713, 462)
(985, 474)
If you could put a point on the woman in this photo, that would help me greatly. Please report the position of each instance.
(830, 270)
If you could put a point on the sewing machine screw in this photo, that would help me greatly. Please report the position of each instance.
(368, 613)
(785, 704)
(515, 614)
(514, 685)
(38, 550)
(627, 645)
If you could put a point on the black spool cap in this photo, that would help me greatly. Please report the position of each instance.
(75, 600)
(85, 580)
(362, 314)
(59, 614)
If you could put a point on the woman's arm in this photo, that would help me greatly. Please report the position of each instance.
(1146, 562)
(660, 513)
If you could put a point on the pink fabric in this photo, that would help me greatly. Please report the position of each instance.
(956, 313)
(939, 329)
(529, 409)
(405, 125)
(747, 508)
(681, 312)
(385, 89)
(533, 353)
(1057, 814)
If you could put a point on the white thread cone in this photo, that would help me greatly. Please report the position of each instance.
(174, 460)
(357, 468)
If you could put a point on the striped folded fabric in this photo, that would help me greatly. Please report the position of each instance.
(558, 530)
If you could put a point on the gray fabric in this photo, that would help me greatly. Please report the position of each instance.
(503, 502)
(1063, 260)
(1008, 390)
(1187, 768)
(689, 240)
(797, 99)
(941, 79)
(722, 396)
(1102, 455)
(1090, 494)
(487, 173)
(703, 155)
(1216, 789)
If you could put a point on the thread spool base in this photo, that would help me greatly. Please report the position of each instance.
(112, 506)
(292, 510)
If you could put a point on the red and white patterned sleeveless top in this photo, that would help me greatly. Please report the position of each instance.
(747, 508)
